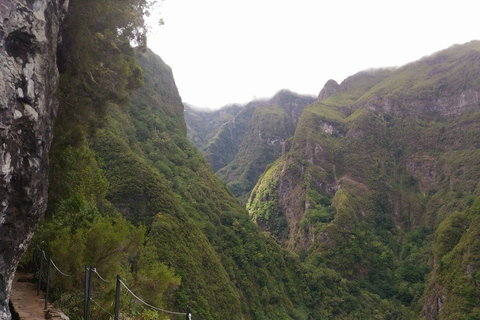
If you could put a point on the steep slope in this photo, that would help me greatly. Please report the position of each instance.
(380, 160)
(203, 124)
(191, 242)
(244, 145)
(198, 227)
(220, 255)
(136, 159)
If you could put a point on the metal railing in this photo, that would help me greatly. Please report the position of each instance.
(39, 257)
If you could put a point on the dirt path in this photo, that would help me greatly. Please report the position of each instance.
(24, 298)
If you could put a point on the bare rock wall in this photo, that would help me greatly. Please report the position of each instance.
(28, 80)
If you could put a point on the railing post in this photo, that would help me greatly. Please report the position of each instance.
(85, 305)
(39, 286)
(117, 298)
(89, 293)
(48, 282)
(189, 314)
(34, 263)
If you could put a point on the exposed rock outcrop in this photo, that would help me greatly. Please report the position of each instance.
(28, 81)
(413, 127)
(328, 89)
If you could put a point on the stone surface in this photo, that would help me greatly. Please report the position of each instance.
(27, 304)
(24, 299)
(330, 88)
(28, 81)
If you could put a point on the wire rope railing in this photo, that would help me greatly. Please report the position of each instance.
(149, 305)
(39, 254)
(94, 270)
(61, 272)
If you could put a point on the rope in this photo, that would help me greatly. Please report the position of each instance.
(53, 263)
(62, 273)
(95, 271)
(149, 305)
(44, 256)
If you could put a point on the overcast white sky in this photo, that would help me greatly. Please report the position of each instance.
(232, 51)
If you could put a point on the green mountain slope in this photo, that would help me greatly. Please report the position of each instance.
(130, 195)
(374, 193)
(186, 239)
(248, 139)
(203, 124)
(198, 227)
(376, 165)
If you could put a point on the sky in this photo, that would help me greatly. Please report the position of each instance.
(234, 51)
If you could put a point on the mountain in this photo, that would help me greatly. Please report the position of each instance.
(369, 210)
(130, 195)
(197, 227)
(239, 142)
(379, 182)
(203, 124)
(182, 238)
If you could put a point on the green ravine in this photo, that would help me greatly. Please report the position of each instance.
(363, 205)
(240, 141)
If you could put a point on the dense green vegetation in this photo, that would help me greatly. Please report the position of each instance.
(130, 195)
(378, 183)
(373, 195)
(240, 141)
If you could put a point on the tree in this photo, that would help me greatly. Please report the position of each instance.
(97, 57)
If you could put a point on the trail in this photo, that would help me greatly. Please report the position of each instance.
(25, 301)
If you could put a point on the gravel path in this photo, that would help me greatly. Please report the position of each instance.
(24, 298)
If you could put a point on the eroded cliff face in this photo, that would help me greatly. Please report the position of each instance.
(392, 151)
(28, 81)
(410, 126)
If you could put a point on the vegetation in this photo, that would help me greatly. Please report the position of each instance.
(374, 197)
(396, 152)
(239, 142)
(130, 195)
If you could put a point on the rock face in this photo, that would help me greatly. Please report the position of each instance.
(28, 81)
(414, 125)
(400, 145)
(330, 87)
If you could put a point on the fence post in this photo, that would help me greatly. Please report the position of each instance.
(85, 304)
(89, 293)
(34, 263)
(39, 286)
(117, 298)
(48, 282)
(189, 314)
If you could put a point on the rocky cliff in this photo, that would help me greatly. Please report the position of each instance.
(385, 155)
(28, 81)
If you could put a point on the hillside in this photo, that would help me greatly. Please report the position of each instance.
(130, 195)
(156, 178)
(203, 124)
(240, 141)
(379, 183)
(364, 201)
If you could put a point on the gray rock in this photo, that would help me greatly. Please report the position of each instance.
(28, 81)
(55, 314)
